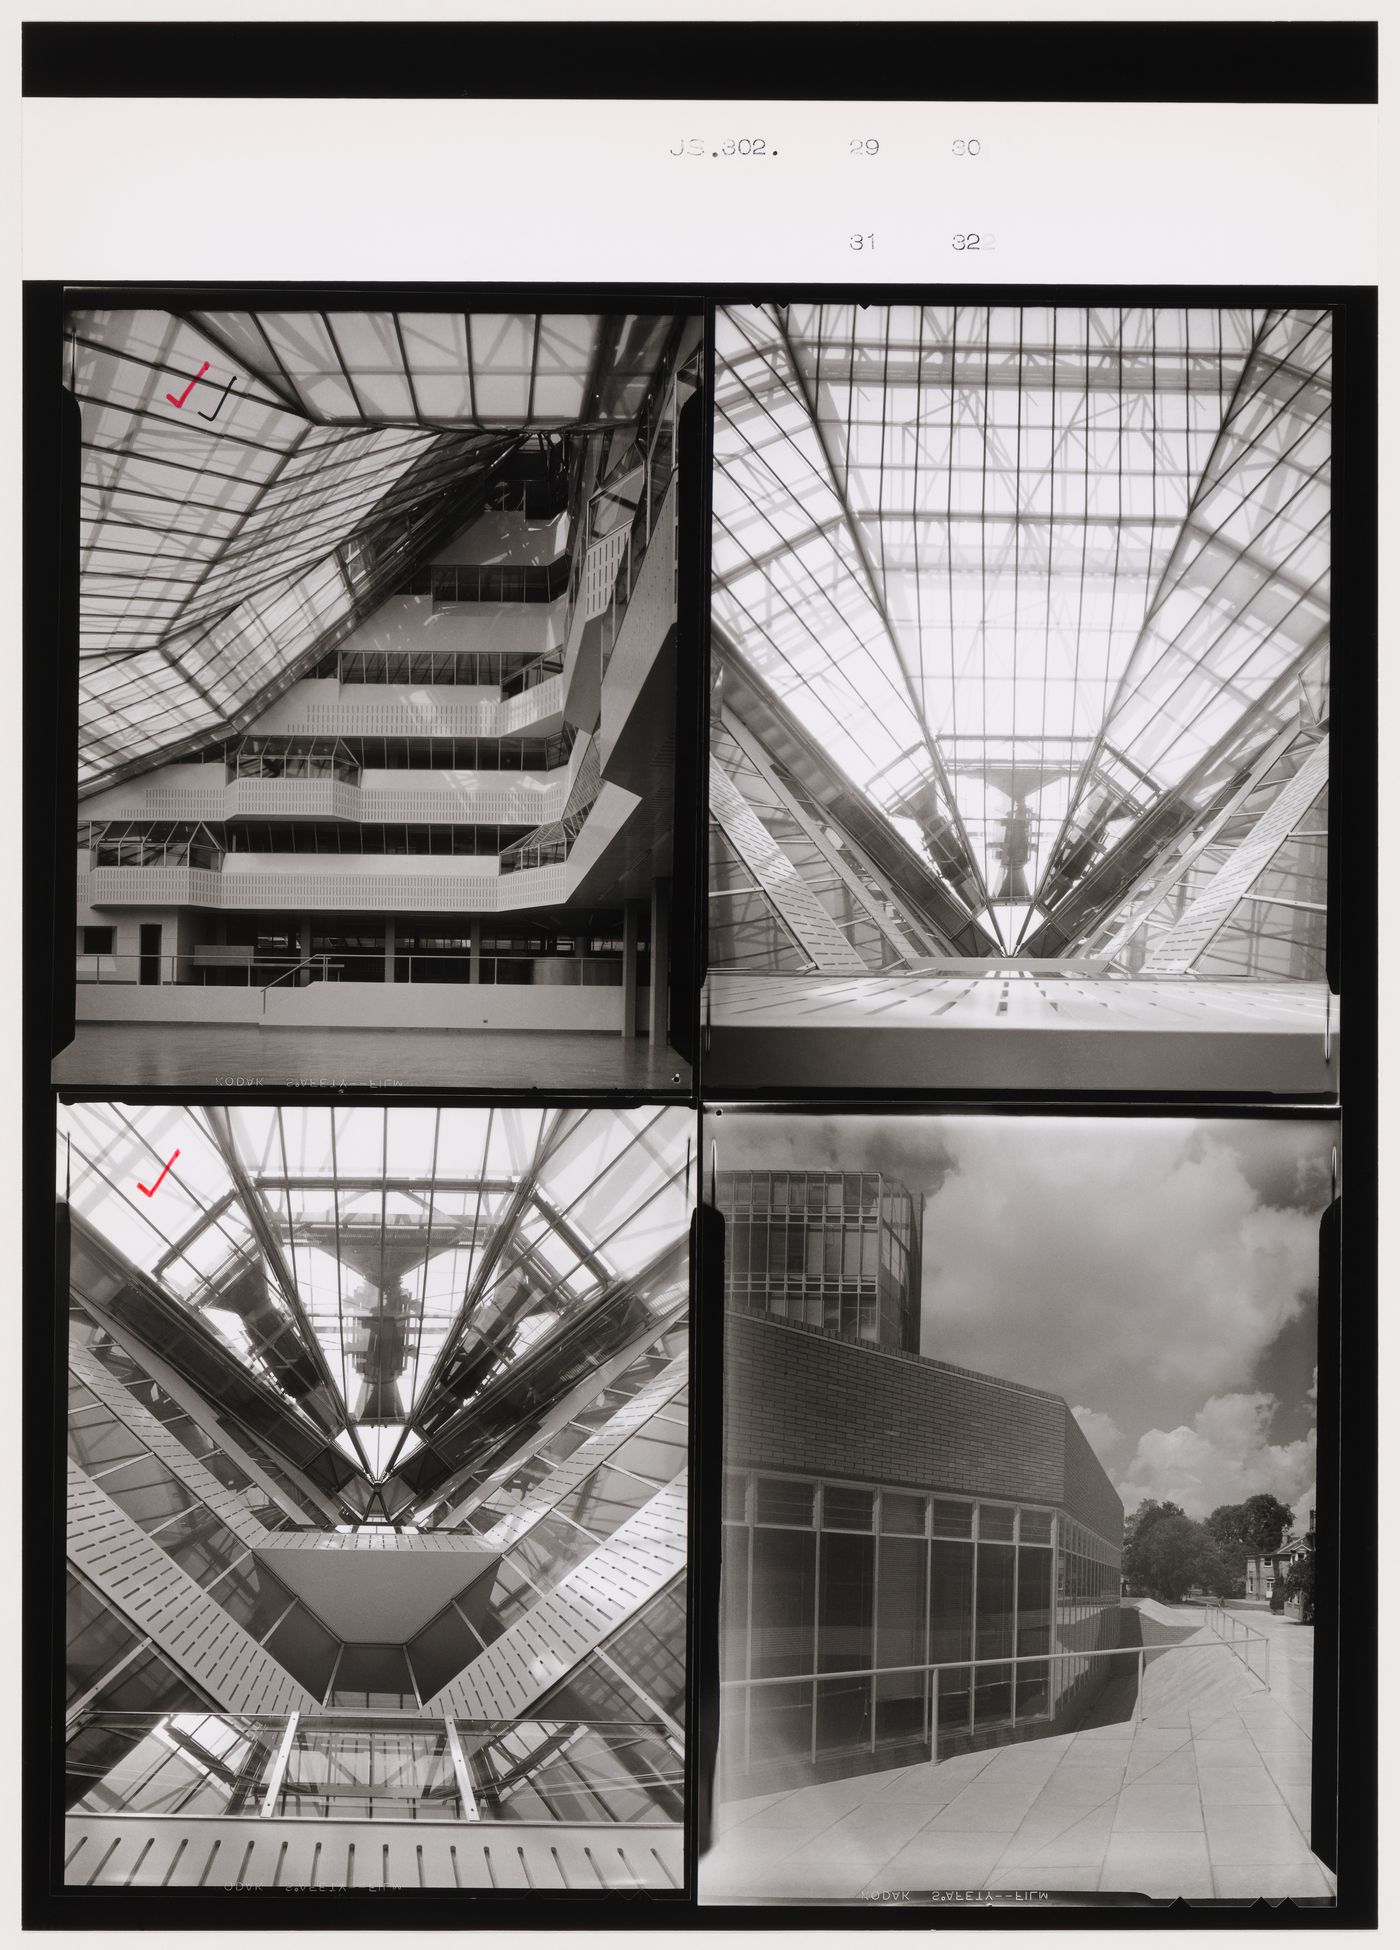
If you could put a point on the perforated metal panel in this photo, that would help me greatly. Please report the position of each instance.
(347, 892)
(163, 1601)
(429, 715)
(778, 878)
(607, 1588)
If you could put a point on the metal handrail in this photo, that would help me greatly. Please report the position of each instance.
(974, 1667)
(479, 1786)
(489, 966)
(549, 663)
(967, 1665)
(1237, 1631)
(311, 961)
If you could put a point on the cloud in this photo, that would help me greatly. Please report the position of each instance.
(1072, 1255)
(1101, 1431)
(1224, 1457)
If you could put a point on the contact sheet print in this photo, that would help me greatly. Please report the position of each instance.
(997, 1199)
(685, 1137)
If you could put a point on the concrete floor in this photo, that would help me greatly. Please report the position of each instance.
(1208, 1796)
(178, 1056)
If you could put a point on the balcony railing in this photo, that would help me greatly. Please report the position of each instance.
(231, 969)
(549, 664)
(367, 1767)
(951, 1681)
(491, 582)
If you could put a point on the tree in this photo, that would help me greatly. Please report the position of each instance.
(1267, 1523)
(1165, 1553)
(1148, 1513)
(1254, 1528)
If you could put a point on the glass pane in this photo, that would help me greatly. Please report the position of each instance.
(846, 1509)
(97, 1637)
(950, 1624)
(254, 1597)
(373, 1676)
(605, 1499)
(304, 1646)
(996, 1520)
(843, 1714)
(783, 1603)
(147, 1491)
(657, 1452)
(903, 1515)
(900, 1637)
(440, 1651)
(846, 1604)
(777, 1501)
(95, 1445)
(201, 1544)
(780, 1722)
(650, 1649)
(550, 1550)
(996, 1571)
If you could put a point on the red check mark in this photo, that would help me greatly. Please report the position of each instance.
(151, 1190)
(180, 402)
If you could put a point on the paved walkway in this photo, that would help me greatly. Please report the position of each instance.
(1207, 1796)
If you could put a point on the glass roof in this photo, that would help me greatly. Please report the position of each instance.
(1021, 570)
(252, 481)
(382, 1237)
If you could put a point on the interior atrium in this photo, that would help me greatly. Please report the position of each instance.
(377, 685)
(1020, 695)
(377, 1495)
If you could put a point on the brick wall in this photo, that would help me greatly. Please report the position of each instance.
(815, 1402)
(1089, 1496)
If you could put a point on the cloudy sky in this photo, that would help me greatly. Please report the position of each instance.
(1159, 1273)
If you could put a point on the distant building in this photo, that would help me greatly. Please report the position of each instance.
(885, 1513)
(1263, 1572)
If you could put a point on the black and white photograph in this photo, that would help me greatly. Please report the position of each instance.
(1020, 662)
(376, 696)
(378, 1427)
(1021, 1501)
(701, 757)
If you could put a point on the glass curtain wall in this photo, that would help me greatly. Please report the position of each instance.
(824, 1580)
(832, 1249)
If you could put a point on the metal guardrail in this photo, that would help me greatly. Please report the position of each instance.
(373, 1766)
(320, 963)
(974, 1668)
(1218, 1617)
(549, 663)
(188, 971)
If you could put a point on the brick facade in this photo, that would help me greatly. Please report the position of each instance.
(818, 1403)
